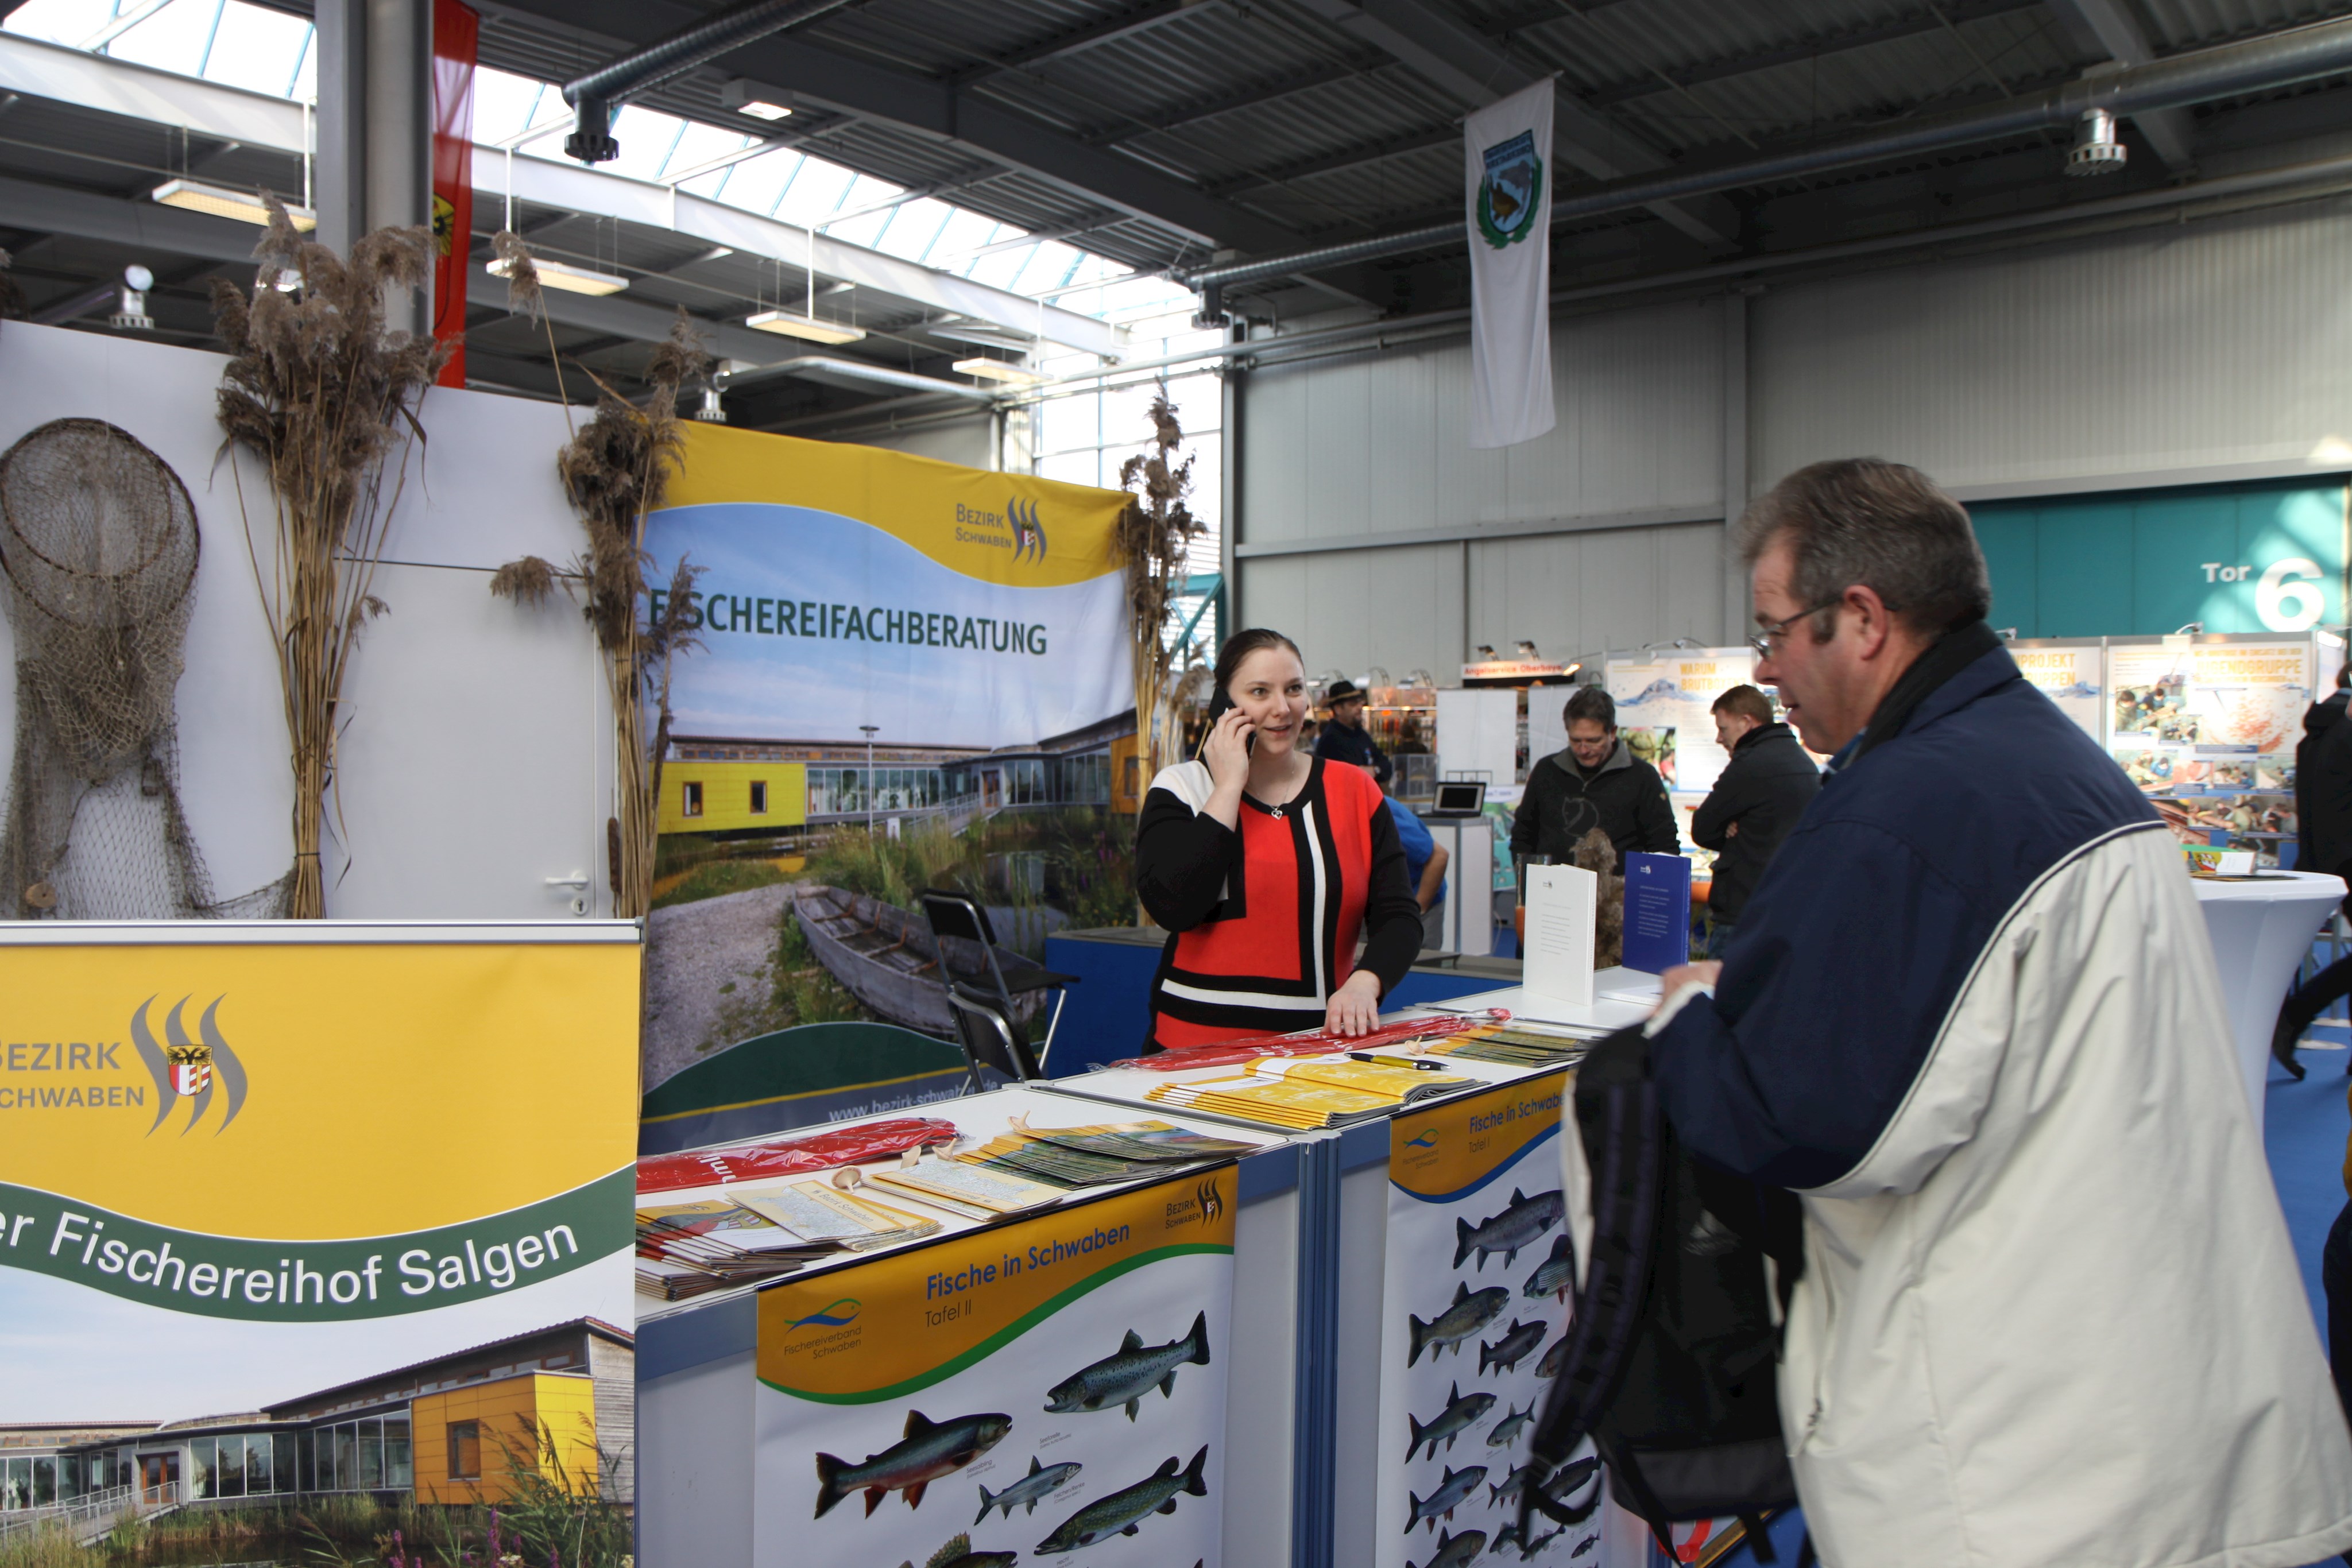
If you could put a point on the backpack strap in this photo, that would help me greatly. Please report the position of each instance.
(1625, 1140)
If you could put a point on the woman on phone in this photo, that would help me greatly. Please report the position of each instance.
(1266, 863)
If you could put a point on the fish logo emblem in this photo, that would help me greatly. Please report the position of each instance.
(1213, 1202)
(1428, 1140)
(832, 1315)
(1029, 535)
(186, 1069)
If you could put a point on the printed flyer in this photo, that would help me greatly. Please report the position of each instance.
(1664, 709)
(1475, 1298)
(270, 1162)
(2070, 673)
(1051, 1391)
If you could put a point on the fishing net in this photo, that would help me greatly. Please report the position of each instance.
(98, 540)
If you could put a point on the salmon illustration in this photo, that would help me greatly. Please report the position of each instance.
(1464, 1315)
(1125, 1375)
(1521, 1223)
(1455, 1488)
(1449, 1422)
(1556, 1275)
(929, 1449)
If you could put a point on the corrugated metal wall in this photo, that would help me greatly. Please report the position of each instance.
(2208, 352)
(2109, 364)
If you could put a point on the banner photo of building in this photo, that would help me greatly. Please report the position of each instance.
(1054, 1387)
(302, 1172)
(846, 586)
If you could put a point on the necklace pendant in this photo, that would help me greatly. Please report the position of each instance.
(1277, 813)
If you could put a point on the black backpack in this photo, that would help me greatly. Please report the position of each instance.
(1671, 1352)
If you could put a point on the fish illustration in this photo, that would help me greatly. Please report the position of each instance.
(1587, 1544)
(1554, 1359)
(1512, 1348)
(1516, 1482)
(1122, 1511)
(1569, 1478)
(1450, 1422)
(1507, 1430)
(1125, 1376)
(1556, 1275)
(1519, 1224)
(958, 1553)
(1528, 1550)
(1456, 1487)
(930, 1450)
(1467, 1314)
(1506, 1536)
(1028, 1489)
(1454, 1551)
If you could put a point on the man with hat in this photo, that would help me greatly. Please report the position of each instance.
(1344, 739)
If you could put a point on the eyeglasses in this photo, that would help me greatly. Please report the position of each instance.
(1768, 641)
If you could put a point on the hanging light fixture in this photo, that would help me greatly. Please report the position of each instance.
(2096, 149)
(226, 201)
(570, 280)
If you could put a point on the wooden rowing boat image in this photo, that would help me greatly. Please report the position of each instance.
(888, 959)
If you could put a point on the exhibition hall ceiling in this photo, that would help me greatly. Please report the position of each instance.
(1084, 156)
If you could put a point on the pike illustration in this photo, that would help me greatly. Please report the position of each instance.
(1125, 1376)
(929, 1449)
(1453, 1490)
(1521, 1222)
(1512, 1348)
(1556, 1275)
(1467, 1314)
(1123, 1512)
(1454, 1551)
(1450, 1422)
(1040, 1480)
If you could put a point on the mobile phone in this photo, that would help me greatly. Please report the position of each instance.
(1218, 708)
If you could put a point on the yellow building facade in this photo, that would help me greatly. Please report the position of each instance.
(733, 797)
(467, 1438)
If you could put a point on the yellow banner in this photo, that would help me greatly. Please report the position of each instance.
(316, 1092)
(1454, 1149)
(1011, 529)
(885, 1329)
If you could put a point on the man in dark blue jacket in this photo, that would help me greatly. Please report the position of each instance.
(1971, 1014)
(1344, 739)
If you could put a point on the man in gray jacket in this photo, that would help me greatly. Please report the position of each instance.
(1596, 783)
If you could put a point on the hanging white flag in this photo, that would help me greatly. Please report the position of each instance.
(1508, 153)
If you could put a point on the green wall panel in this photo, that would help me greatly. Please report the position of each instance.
(2138, 563)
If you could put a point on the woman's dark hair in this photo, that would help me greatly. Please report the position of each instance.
(1242, 644)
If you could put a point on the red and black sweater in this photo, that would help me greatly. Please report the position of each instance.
(1265, 917)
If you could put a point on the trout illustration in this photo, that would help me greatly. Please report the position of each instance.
(1450, 1422)
(1125, 1376)
(1512, 1348)
(1467, 1314)
(1040, 1480)
(930, 1450)
(1520, 1223)
(1123, 1512)
(1556, 1275)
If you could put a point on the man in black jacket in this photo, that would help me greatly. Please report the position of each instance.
(1344, 739)
(1756, 801)
(2323, 808)
(1595, 783)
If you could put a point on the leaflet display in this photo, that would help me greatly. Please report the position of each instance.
(1479, 1270)
(1051, 1390)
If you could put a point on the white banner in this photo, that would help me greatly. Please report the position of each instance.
(1508, 149)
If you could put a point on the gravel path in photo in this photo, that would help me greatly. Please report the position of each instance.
(694, 949)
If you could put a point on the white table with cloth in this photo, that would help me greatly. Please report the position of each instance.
(2261, 928)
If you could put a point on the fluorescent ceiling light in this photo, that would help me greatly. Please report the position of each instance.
(225, 202)
(761, 108)
(570, 280)
(791, 326)
(998, 370)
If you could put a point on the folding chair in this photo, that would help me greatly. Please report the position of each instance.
(988, 1040)
(953, 915)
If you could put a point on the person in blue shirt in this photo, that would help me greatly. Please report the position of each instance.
(1425, 863)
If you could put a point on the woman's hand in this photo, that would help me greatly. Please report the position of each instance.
(1227, 752)
(1356, 1006)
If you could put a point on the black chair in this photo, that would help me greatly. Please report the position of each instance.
(991, 1046)
(954, 917)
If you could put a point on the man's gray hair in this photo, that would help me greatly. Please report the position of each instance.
(1867, 522)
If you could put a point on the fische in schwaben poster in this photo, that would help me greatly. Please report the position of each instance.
(1480, 1267)
(1051, 1391)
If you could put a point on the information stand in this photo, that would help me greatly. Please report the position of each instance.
(716, 1442)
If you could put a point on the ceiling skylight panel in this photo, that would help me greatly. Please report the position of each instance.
(998, 270)
(862, 231)
(68, 22)
(645, 135)
(257, 49)
(504, 106)
(699, 145)
(816, 195)
(754, 185)
(914, 232)
(172, 39)
(964, 232)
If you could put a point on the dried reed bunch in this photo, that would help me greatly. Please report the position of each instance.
(1155, 535)
(326, 396)
(616, 470)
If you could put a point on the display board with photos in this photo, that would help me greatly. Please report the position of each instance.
(1666, 702)
(2207, 727)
